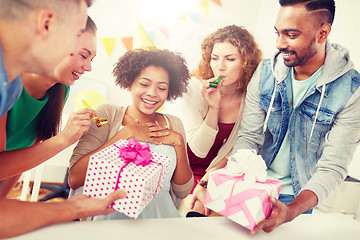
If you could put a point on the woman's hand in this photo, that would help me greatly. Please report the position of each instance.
(144, 132)
(169, 137)
(77, 125)
(212, 96)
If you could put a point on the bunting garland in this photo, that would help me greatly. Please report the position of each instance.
(141, 39)
(109, 43)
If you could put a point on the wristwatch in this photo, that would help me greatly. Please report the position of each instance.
(202, 183)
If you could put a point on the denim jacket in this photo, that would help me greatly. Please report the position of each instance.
(324, 128)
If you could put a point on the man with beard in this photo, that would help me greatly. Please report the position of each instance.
(302, 110)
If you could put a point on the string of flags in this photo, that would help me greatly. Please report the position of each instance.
(142, 39)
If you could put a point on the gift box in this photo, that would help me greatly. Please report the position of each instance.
(243, 199)
(131, 167)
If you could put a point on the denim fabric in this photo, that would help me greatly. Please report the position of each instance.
(287, 199)
(304, 154)
(9, 91)
(318, 164)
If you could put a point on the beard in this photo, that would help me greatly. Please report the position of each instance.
(304, 56)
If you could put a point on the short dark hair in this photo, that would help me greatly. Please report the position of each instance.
(323, 9)
(133, 62)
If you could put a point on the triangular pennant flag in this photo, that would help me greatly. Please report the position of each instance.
(218, 2)
(166, 31)
(109, 44)
(128, 42)
(204, 6)
(194, 16)
(141, 39)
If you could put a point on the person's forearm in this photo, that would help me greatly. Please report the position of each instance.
(202, 140)
(18, 161)
(183, 172)
(212, 118)
(7, 185)
(303, 202)
(19, 217)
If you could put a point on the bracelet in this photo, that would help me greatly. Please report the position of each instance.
(202, 183)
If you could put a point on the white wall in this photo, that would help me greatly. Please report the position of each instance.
(116, 18)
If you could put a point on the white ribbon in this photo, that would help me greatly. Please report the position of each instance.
(246, 162)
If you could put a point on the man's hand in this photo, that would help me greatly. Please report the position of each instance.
(277, 217)
(88, 207)
(282, 213)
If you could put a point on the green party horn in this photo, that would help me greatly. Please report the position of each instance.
(215, 84)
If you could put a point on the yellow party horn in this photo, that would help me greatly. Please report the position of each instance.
(99, 122)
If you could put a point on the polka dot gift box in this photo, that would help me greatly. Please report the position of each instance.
(131, 167)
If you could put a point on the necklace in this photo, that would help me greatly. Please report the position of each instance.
(136, 120)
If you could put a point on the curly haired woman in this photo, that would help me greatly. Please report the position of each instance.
(152, 77)
(211, 115)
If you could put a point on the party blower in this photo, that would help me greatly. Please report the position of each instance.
(215, 84)
(100, 122)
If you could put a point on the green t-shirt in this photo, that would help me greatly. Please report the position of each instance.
(280, 167)
(21, 121)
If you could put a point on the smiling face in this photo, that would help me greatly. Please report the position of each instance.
(150, 89)
(226, 62)
(59, 37)
(296, 36)
(75, 65)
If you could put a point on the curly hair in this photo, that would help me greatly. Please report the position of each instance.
(130, 65)
(250, 54)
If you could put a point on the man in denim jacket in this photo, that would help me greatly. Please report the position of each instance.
(302, 110)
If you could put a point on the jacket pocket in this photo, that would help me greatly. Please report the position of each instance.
(324, 122)
(275, 118)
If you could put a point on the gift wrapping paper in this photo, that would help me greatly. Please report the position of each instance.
(246, 203)
(109, 170)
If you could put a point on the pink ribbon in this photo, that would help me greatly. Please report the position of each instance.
(135, 152)
(230, 208)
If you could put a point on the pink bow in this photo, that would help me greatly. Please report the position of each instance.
(138, 153)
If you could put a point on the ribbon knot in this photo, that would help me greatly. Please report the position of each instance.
(247, 163)
(135, 152)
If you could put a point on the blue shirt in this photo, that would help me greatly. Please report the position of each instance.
(9, 91)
